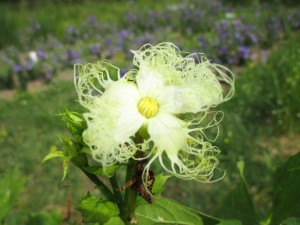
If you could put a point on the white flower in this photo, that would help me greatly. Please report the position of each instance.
(33, 56)
(165, 101)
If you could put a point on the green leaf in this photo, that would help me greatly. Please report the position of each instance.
(71, 153)
(76, 124)
(291, 221)
(97, 210)
(11, 185)
(114, 221)
(238, 204)
(286, 198)
(66, 163)
(229, 222)
(86, 150)
(56, 154)
(44, 218)
(208, 220)
(71, 147)
(59, 154)
(165, 211)
(241, 167)
(160, 180)
(98, 170)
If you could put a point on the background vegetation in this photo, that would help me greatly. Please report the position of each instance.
(260, 42)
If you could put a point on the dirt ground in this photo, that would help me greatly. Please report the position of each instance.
(36, 85)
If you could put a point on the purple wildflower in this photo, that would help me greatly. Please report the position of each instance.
(92, 21)
(202, 42)
(96, 48)
(42, 55)
(73, 56)
(36, 26)
(223, 51)
(231, 60)
(29, 65)
(17, 68)
(244, 50)
(238, 36)
(50, 74)
(254, 38)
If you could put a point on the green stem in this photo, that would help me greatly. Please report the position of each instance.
(130, 194)
(102, 187)
(117, 193)
(131, 205)
(81, 162)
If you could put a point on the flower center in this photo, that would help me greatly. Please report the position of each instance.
(147, 107)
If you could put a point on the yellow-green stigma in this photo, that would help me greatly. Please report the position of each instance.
(147, 107)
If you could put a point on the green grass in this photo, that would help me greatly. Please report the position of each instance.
(33, 120)
(32, 127)
(267, 93)
(56, 18)
(9, 25)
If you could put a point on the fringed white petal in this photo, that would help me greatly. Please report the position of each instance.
(182, 147)
(112, 121)
(149, 82)
(191, 98)
(93, 79)
(168, 133)
(197, 162)
(183, 84)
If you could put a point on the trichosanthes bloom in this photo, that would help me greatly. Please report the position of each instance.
(158, 108)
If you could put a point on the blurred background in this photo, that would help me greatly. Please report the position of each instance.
(41, 40)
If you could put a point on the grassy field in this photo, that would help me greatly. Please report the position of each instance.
(32, 126)
(261, 124)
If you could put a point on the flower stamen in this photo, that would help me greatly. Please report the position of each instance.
(147, 107)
